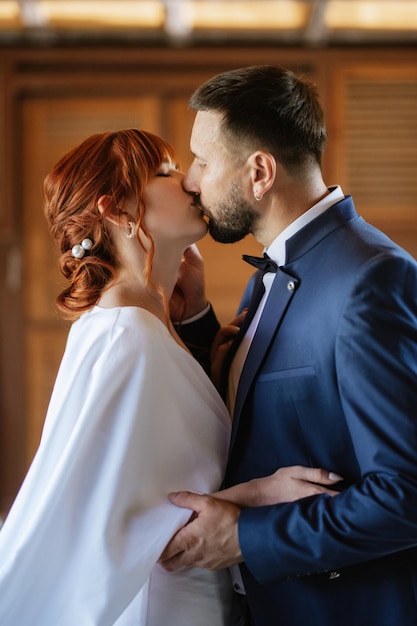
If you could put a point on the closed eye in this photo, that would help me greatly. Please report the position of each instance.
(166, 168)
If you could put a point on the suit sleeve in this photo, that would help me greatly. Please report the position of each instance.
(199, 335)
(376, 368)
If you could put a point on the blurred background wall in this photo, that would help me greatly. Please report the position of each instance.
(72, 68)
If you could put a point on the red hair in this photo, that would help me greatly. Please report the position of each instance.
(115, 164)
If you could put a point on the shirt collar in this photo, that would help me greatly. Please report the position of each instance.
(277, 248)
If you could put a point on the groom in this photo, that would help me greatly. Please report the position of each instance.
(324, 373)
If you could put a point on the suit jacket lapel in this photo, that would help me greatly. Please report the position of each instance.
(283, 290)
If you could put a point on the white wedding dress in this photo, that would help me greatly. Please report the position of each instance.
(132, 417)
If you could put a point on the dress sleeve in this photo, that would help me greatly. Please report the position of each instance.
(93, 515)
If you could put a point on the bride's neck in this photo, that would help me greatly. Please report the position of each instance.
(132, 293)
(131, 288)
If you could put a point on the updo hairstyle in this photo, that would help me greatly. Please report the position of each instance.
(117, 164)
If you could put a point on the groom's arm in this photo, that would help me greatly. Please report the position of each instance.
(198, 334)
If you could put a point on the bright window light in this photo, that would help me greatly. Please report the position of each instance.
(9, 12)
(377, 15)
(103, 13)
(264, 14)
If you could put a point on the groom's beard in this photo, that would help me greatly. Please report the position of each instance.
(235, 217)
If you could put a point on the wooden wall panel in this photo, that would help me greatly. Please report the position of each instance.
(12, 432)
(3, 210)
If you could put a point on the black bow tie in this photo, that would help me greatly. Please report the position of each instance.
(264, 263)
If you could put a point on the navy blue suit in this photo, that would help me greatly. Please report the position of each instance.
(331, 381)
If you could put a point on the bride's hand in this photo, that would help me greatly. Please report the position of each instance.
(285, 485)
(189, 296)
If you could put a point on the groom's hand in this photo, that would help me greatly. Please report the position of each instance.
(209, 540)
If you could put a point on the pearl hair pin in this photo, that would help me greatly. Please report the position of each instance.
(79, 250)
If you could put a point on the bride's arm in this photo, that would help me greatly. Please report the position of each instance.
(284, 485)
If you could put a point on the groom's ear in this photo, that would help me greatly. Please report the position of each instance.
(263, 168)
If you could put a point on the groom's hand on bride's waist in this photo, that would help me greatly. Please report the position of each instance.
(209, 540)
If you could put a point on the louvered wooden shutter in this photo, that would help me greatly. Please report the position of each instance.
(379, 154)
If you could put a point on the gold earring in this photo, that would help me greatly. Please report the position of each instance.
(132, 230)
